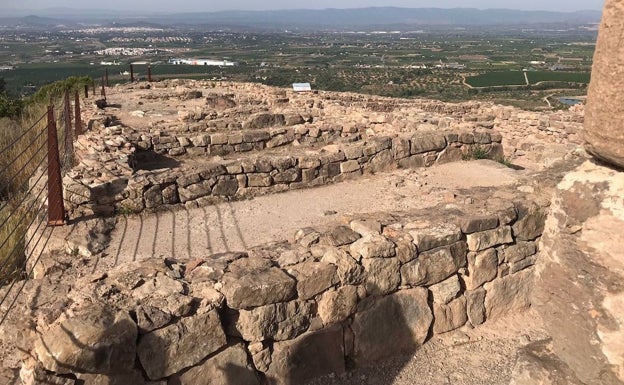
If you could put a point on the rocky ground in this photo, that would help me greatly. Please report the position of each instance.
(540, 148)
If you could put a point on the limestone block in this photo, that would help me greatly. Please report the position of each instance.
(365, 226)
(414, 161)
(336, 306)
(387, 326)
(530, 223)
(425, 142)
(309, 356)
(259, 180)
(97, 339)
(153, 197)
(473, 224)
(400, 148)
(382, 275)
(604, 133)
(313, 278)
(434, 266)
(195, 191)
(449, 316)
(213, 171)
(445, 291)
(170, 195)
(281, 321)
(372, 246)
(166, 351)
(475, 306)
(482, 268)
(380, 162)
(349, 166)
(349, 271)
(257, 288)
(150, 318)
(517, 252)
(307, 236)
(287, 176)
(225, 187)
(489, 238)
(508, 295)
(339, 236)
(230, 366)
(427, 237)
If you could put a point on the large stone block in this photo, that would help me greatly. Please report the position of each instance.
(340, 236)
(382, 275)
(313, 278)
(604, 133)
(489, 238)
(445, 291)
(167, 351)
(372, 246)
(309, 356)
(449, 316)
(427, 237)
(254, 288)
(482, 268)
(388, 326)
(97, 339)
(281, 321)
(530, 223)
(508, 295)
(475, 306)
(228, 367)
(349, 271)
(336, 306)
(434, 266)
(427, 142)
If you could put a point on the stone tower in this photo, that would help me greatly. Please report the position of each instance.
(604, 114)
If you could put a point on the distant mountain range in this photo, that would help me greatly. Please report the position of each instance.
(362, 18)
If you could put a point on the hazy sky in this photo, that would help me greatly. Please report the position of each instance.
(212, 5)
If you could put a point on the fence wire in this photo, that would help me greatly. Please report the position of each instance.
(24, 199)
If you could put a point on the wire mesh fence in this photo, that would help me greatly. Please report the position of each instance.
(32, 163)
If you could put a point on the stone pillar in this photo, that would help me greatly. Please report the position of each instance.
(604, 113)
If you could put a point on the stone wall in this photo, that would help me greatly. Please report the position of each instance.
(367, 289)
(263, 173)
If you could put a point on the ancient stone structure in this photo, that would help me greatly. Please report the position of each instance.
(604, 130)
(361, 292)
(366, 287)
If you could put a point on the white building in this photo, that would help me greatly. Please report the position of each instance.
(203, 62)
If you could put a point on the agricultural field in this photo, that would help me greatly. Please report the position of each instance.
(427, 64)
(497, 78)
(550, 76)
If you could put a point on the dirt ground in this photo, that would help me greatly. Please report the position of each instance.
(236, 226)
(481, 356)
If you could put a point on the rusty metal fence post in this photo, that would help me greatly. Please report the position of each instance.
(56, 209)
(149, 73)
(77, 116)
(68, 156)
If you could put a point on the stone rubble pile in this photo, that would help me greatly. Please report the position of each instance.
(363, 291)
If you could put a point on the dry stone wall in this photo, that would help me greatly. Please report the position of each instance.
(222, 179)
(367, 289)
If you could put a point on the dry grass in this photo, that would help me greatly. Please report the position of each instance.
(24, 153)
